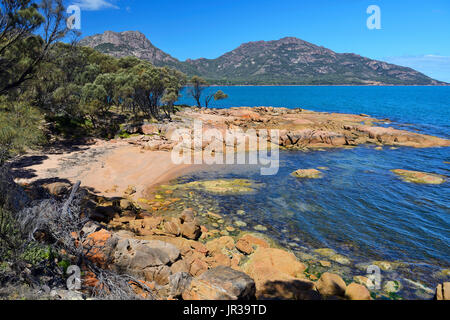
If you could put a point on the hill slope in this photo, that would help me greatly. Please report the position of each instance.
(285, 61)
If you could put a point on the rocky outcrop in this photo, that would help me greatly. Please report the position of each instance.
(419, 177)
(146, 260)
(221, 283)
(308, 174)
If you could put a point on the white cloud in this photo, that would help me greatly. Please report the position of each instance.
(94, 5)
(434, 66)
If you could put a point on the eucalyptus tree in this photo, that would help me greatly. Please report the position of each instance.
(219, 95)
(196, 87)
(27, 32)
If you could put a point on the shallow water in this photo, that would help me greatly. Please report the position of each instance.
(360, 209)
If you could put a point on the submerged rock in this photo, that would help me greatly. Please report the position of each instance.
(419, 177)
(391, 287)
(260, 228)
(308, 174)
(221, 186)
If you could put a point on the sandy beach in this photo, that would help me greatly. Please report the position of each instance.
(106, 168)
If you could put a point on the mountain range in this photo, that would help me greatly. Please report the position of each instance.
(286, 61)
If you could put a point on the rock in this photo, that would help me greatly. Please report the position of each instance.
(159, 274)
(173, 227)
(130, 191)
(331, 284)
(340, 259)
(99, 247)
(187, 216)
(255, 239)
(289, 289)
(326, 252)
(125, 204)
(325, 264)
(220, 244)
(143, 259)
(273, 268)
(284, 261)
(140, 254)
(240, 223)
(213, 215)
(443, 291)
(58, 188)
(179, 282)
(67, 295)
(180, 266)
(191, 230)
(364, 281)
(419, 177)
(260, 228)
(221, 186)
(150, 129)
(391, 287)
(221, 283)
(308, 174)
(244, 246)
(357, 292)
(219, 259)
(385, 265)
(198, 267)
(89, 228)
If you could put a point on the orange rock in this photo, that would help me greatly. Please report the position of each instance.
(96, 247)
(255, 241)
(357, 292)
(331, 284)
(219, 244)
(283, 261)
(244, 246)
(219, 259)
(198, 267)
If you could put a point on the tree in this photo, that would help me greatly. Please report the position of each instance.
(21, 49)
(196, 87)
(219, 95)
(19, 128)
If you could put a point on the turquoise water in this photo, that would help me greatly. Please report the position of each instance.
(359, 209)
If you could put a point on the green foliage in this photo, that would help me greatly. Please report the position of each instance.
(196, 87)
(19, 129)
(36, 253)
(10, 236)
(64, 264)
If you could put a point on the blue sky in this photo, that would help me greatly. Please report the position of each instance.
(413, 33)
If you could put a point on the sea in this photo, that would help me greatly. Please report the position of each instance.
(360, 209)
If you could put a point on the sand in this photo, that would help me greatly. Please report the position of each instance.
(107, 168)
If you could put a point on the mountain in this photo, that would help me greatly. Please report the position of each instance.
(285, 61)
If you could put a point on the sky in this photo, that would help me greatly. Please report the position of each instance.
(413, 33)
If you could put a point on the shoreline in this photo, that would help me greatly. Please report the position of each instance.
(330, 85)
(106, 168)
(141, 163)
